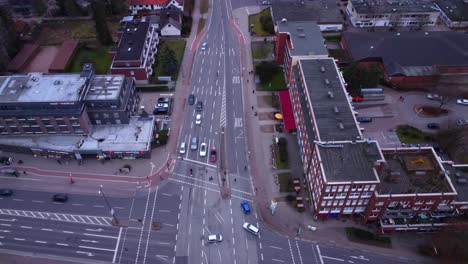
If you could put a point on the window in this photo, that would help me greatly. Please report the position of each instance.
(329, 203)
(416, 208)
(340, 195)
(335, 203)
(334, 188)
(132, 73)
(430, 202)
(341, 202)
(373, 215)
(376, 210)
(359, 209)
(98, 122)
(327, 189)
(117, 121)
(425, 208)
(348, 210)
(336, 210)
(354, 202)
(418, 202)
(328, 196)
(366, 194)
(340, 189)
(393, 204)
(366, 188)
(443, 202)
(116, 115)
(105, 115)
(353, 195)
(348, 202)
(323, 203)
(346, 188)
(372, 187)
(324, 211)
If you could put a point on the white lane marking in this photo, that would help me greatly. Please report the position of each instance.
(320, 255)
(8, 220)
(299, 252)
(277, 260)
(18, 200)
(99, 206)
(337, 259)
(94, 230)
(40, 242)
(68, 232)
(276, 247)
(19, 239)
(5, 225)
(166, 194)
(95, 248)
(117, 245)
(27, 227)
(46, 229)
(89, 241)
(290, 250)
(164, 211)
(61, 244)
(36, 201)
(86, 253)
(78, 204)
(151, 221)
(96, 235)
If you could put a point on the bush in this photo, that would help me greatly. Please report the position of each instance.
(266, 71)
(360, 235)
(267, 24)
(162, 137)
(283, 149)
(186, 26)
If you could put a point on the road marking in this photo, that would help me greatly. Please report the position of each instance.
(89, 241)
(171, 225)
(19, 239)
(86, 253)
(36, 201)
(163, 243)
(166, 194)
(96, 235)
(94, 230)
(98, 220)
(277, 260)
(78, 204)
(18, 200)
(299, 252)
(27, 227)
(5, 224)
(8, 220)
(290, 250)
(99, 206)
(276, 247)
(117, 245)
(360, 257)
(151, 221)
(68, 232)
(164, 211)
(46, 229)
(320, 255)
(143, 224)
(40, 242)
(61, 244)
(338, 259)
(95, 248)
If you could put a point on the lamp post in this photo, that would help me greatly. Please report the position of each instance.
(108, 204)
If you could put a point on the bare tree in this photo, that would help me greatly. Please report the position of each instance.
(52, 8)
(451, 87)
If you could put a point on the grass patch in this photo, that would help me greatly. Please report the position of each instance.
(366, 237)
(409, 135)
(261, 50)
(335, 38)
(282, 159)
(178, 46)
(201, 24)
(204, 4)
(97, 55)
(278, 83)
(255, 20)
(284, 181)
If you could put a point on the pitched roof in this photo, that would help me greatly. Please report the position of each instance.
(410, 53)
(172, 16)
(152, 2)
(26, 53)
(64, 55)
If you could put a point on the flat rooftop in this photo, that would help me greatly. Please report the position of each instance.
(393, 6)
(132, 42)
(38, 87)
(135, 136)
(329, 102)
(105, 87)
(412, 171)
(456, 10)
(324, 11)
(459, 177)
(306, 37)
(345, 162)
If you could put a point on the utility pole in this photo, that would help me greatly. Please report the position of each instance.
(108, 204)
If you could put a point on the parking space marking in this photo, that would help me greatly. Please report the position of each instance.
(94, 220)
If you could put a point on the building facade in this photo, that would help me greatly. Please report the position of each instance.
(150, 5)
(401, 13)
(135, 54)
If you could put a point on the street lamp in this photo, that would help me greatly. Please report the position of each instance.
(108, 204)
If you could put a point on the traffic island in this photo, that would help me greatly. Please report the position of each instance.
(365, 237)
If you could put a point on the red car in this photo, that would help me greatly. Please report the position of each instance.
(213, 155)
(358, 99)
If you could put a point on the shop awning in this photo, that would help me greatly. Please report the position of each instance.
(286, 108)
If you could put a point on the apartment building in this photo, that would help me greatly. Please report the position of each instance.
(137, 6)
(454, 13)
(135, 54)
(395, 13)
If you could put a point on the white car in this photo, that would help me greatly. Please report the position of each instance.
(204, 46)
(203, 150)
(462, 101)
(215, 238)
(198, 119)
(434, 97)
(251, 228)
(182, 148)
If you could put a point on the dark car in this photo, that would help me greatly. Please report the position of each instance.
(433, 126)
(199, 106)
(5, 160)
(245, 207)
(191, 99)
(364, 119)
(213, 155)
(6, 192)
(60, 197)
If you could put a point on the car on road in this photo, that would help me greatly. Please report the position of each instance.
(364, 119)
(203, 150)
(213, 157)
(60, 197)
(265, 3)
(462, 122)
(198, 119)
(434, 97)
(161, 109)
(251, 228)
(204, 46)
(462, 101)
(6, 160)
(6, 192)
(194, 143)
(433, 126)
(182, 148)
(191, 99)
(245, 207)
(215, 238)
(199, 106)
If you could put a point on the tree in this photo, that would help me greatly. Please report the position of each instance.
(118, 7)
(266, 71)
(451, 244)
(99, 16)
(168, 61)
(267, 24)
(358, 77)
(450, 87)
(52, 8)
(8, 42)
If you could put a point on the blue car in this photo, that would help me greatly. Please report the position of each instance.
(245, 207)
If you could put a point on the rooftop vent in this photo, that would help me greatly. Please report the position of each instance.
(335, 109)
(426, 33)
(341, 126)
(322, 69)
(331, 95)
(398, 34)
(327, 82)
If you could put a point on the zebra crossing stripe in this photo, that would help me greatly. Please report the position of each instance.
(103, 221)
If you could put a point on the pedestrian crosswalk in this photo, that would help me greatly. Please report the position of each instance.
(82, 219)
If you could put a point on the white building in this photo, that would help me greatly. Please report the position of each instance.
(150, 5)
(392, 13)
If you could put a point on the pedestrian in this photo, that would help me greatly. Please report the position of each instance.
(235, 179)
(247, 80)
(252, 107)
(24, 172)
(253, 91)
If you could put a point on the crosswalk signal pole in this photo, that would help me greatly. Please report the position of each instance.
(108, 204)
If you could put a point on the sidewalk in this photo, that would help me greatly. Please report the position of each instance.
(287, 220)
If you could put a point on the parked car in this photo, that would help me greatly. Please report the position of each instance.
(198, 119)
(300, 203)
(215, 238)
(182, 148)
(462, 122)
(6, 160)
(194, 143)
(434, 97)
(251, 228)
(358, 99)
(164, 100)
(191, 99)
(203, 150)
(433, 126)
(297, 185)
(245, 207)
(6, 192)
(204, 46)
(199, 106)
(161, 109)
(213, 157)
(462, 101)
(364, 119)
(60, 197)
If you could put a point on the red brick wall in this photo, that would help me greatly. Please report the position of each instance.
(280, 46)
(448, 69)
(413, 82)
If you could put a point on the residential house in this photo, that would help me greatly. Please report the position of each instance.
(145, 6)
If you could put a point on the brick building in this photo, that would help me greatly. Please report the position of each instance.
(135, 54)
(150, 5)
(411, 60)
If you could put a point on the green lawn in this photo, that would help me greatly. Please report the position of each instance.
(98, 56)
(255, 20)
(261, 50)
(409, 135)
(178, 46)
(285, 182)
(276, 84)
(366, 237)
(282, 159)
(201, 25)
